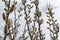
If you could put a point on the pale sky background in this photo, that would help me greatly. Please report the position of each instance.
(55, 4)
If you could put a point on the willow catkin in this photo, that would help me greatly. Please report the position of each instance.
(9, 22)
